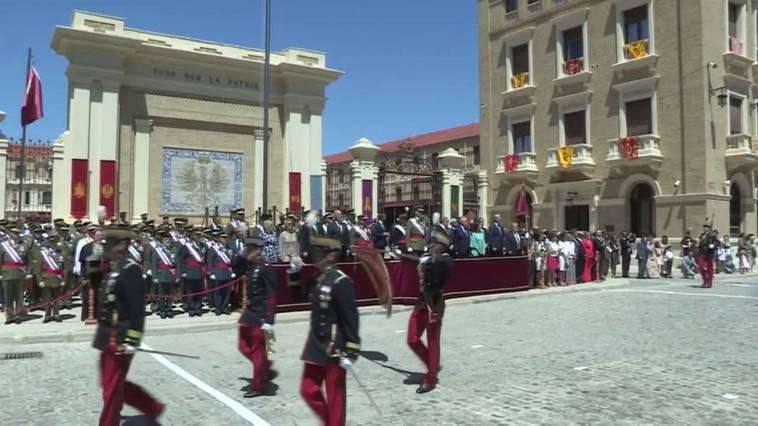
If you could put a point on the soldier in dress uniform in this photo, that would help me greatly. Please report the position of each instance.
(163, 273)
(333, 342)
(362, 233)
(190, 263)
(13, 274)
(52, 276)
(429, 309)
(34, 261)
(64, 232)
(219, 261)
(397, 240)
(236, 218)
(120, 327)
(416, 232)
(256, 324)
(708, 247)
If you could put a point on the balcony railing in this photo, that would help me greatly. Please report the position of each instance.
(534, 7)
(741, 151)
(527, 163)
(635, 151)
(581, 159)
(512, 16)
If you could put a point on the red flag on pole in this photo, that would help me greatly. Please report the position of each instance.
(521, 205)
(31, 109)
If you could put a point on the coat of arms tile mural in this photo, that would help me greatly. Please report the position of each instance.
(193, 180)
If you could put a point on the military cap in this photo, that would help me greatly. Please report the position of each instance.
(150, 222)
(290, 215)
(239, 211)
(162, 233)
(165, 216)
(326, 242)
(351, 211)
(92, 227)
(420, 210)
(47, 227)
(222, 234)
(190, 227)
(440, 238)
(143, 216)
(118, 233)
(77, 223)
(58, 220)
(52, 236)
(265, 216)
(253, 242)
(3, 222)
(87, 223)
(328, 215)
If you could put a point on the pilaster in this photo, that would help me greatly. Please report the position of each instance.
(143, 128)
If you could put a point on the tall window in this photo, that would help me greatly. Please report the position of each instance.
(573, 43)
(734, 16)
(341, 200)
(398, 193)
(575, 128)
(511, 5)
(477, 155)
(47, 197)
(27, 198)
(522, 137)
(520, 58)
(639, 117)
(416, 192)
(735, 115)
(636, 24)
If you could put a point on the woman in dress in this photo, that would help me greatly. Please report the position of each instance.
(654, 258)
(568, 271)
(613, 247)
(477, 244)
(553, 264)
(270, 242)
(589, 257)
(667, 257)
(288, 246)
(536, 253)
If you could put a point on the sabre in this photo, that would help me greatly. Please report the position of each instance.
(152, 351)
(364, 390)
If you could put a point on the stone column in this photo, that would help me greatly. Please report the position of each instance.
(141, 179)
(482, 192)
(258, 170)
(451, 162)
(363, 168)
(62, 176)
(322, 207)
(3, 169)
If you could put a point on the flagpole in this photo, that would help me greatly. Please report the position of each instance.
(266, 90)
(23, 138)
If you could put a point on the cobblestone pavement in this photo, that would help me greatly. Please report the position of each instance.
(649, 352)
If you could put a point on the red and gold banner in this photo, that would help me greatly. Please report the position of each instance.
(108, 186)
(630, 147)
(573, 66)
(296, 203)
(79, 175)
(637, 49)
(566, 156)
(511, 163)
(367, 197)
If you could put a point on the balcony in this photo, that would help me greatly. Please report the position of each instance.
(573, 73)
(735, 61)
(581, 161)
(526, 168)
(511, 17)
(534, 7)
(741, 152)
(637, 57)
(621, 154)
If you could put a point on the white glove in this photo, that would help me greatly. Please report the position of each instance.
(42, 284)
(129, 350)
(149, 272)
(234, 275)
(155, 281)
(267, 327)
(184, 275)
(28, 276)
(144, 276)
(345, 363)
(213, 276)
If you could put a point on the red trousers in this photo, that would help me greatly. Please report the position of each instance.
(588, 264)
(430, 356)
(331, 411)
(705, 264)
(117, 390)
(252, 344)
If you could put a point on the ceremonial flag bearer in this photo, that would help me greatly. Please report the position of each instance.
(430, 306)
(256, 324)
(119, 331)
(333, 343)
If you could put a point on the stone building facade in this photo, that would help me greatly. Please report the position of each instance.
(621, 114)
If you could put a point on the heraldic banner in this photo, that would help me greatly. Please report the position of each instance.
(79, 174)
(295, 192)
(367, 198)
(108, 186)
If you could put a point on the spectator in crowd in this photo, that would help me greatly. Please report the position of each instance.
(579, 253)
(625, 247)
(566, 253)
(379, 233)
(613, 248)
(601, 263)
(536, 262)
(288, 244)
(653, 258)
(270, 242)
(462, 238)
(512, 242)
(689, 265)
(667, 257)
(743, 253)
(553, 262)
(642, 255)
(753, 251)
(496, 234)
(477, 244)
(589, 257)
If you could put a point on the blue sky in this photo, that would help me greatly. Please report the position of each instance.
(410, 65)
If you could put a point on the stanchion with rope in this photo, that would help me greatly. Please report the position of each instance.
(90, 305)
(60, 298)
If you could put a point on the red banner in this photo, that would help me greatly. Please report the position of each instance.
(630, 147)
(295, 200)
(511, 163)
(79, 174)
(108, 186)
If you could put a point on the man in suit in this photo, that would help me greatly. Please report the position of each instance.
(495, 237)
(308, 230)
(642, 255)
(513, 241)
(598, 243)
(462, 238)
(626, 242)
(379, 233)
(579, 252)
